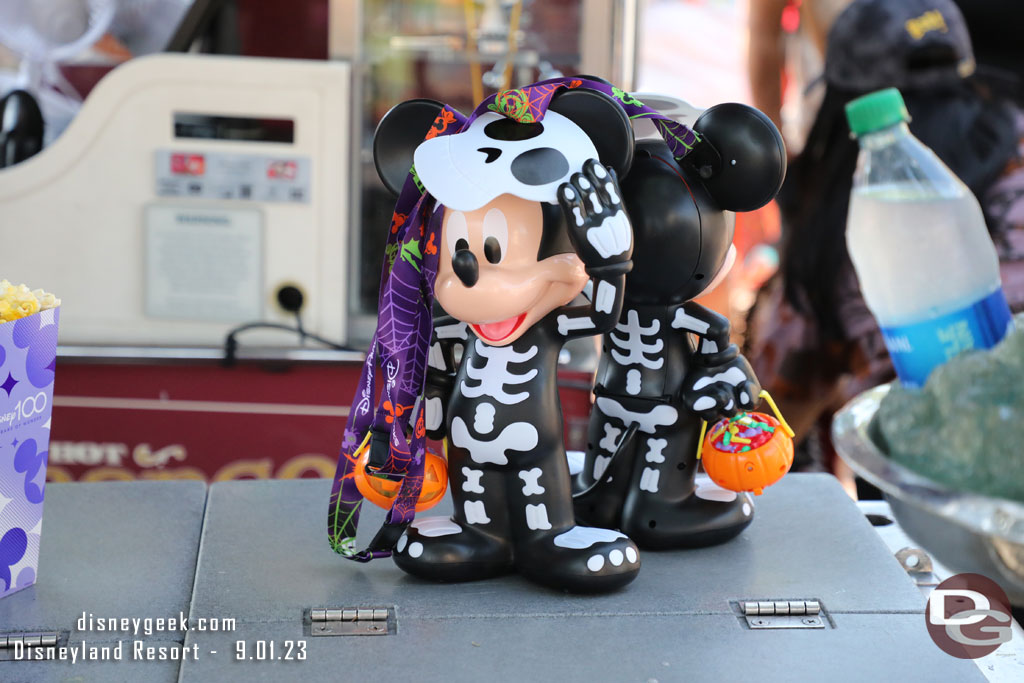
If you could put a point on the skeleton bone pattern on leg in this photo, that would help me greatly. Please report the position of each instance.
(537, 517)
(472, 483)
(610, 439)
(531, 479)
(495, 373)
(475, 511)
(654, 449)
(649, 480)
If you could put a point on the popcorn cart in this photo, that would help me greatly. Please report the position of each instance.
(197, 195)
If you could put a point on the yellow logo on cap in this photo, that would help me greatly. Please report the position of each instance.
(926, 23)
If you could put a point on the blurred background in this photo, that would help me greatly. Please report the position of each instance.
(181, 357)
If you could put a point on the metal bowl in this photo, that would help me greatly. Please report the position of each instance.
(965, 531)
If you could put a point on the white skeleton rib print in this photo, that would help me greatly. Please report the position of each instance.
(494, 374)
(636, 349)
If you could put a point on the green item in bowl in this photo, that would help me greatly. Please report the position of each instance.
(965, 428)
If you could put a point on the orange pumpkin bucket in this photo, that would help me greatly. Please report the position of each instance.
(747, 452)
(381, 491)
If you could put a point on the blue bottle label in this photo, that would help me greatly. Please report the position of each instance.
(917, 349)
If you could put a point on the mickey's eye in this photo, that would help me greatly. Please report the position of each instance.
(495, 233)
(492, 250)
(455, 232)
(491, 152)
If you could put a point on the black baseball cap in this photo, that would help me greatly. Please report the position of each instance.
(906, 44)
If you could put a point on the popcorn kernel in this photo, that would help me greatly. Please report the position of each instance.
(18, 301)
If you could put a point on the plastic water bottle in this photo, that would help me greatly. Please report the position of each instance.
(918, 241)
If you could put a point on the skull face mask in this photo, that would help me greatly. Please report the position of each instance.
(497, 155)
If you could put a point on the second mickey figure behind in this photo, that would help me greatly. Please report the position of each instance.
(669, 364)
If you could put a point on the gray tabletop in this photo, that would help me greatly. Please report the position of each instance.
(134, 550)
(112, 550)
(265, 562)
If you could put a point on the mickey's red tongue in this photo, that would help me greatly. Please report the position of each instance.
(499, 330)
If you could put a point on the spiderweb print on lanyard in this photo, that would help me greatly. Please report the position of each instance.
(405, 324)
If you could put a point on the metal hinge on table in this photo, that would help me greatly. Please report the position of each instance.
(10, 641)
(763, 614)
(353, 621)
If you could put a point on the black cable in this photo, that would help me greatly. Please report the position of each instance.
(231, 341)
(298, 326)
(607, 474)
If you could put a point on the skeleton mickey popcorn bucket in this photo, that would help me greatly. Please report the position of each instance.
(669, 364)
(505, 216)
(28, 351)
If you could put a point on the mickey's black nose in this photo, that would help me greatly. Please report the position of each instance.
(466, 267)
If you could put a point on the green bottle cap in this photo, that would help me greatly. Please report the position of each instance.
(876, 111)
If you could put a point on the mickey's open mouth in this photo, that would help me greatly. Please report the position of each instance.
(495, 332)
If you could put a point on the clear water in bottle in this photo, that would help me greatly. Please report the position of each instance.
(918, 241)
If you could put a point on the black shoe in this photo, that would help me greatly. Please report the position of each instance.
(579, 560)
(440, 549)
(708, 516)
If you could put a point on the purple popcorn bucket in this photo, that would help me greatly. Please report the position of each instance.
(28, 355)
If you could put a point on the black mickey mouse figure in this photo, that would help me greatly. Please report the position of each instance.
(532, 214)
(669, 362)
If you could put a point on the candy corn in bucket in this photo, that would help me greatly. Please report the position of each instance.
(749, 451)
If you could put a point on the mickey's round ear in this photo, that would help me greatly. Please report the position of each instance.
(398, 135)
(603, 121)
(746, 163)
